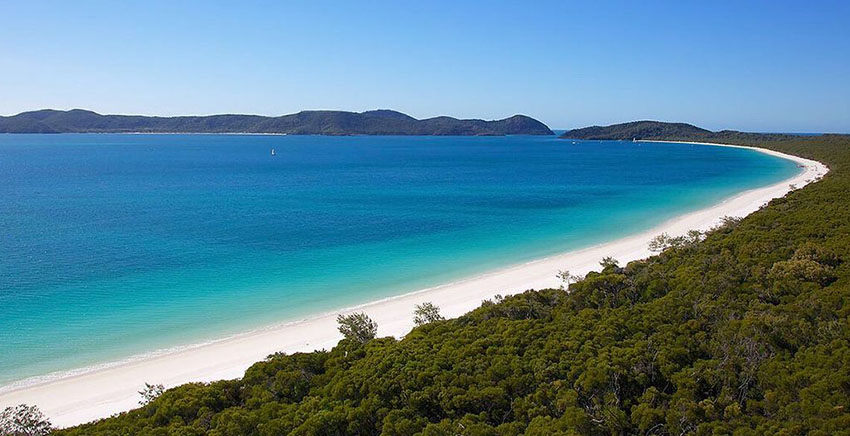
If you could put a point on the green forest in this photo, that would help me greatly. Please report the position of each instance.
(659, 130)
(375, 122)
(743, 332)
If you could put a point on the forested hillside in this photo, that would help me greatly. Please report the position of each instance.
(745, 333)
(659, 130)
(377, 122)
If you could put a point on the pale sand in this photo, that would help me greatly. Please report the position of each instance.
(97, 393)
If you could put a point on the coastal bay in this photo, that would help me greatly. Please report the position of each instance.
(114, 384)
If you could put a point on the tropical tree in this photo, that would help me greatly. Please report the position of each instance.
(24, 420)
(150, 393)
(357, 327)
(426, 313)
(567, 279)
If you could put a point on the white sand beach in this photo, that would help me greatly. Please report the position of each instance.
(87, 395)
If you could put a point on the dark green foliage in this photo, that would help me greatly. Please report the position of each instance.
(667, 131)
(150, 392)
(380, 122)
(357, 327)
(745, 332)
(24, 420)
(426, 313)
(636, 129)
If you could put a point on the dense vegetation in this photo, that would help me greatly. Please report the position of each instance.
(744, 332)
(379, 122)
(668, 131)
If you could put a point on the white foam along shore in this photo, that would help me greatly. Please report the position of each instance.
(82, 396)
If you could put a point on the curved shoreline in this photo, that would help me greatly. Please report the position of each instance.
(74, 397)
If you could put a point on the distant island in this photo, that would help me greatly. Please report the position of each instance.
(376, 122)
(665, 131)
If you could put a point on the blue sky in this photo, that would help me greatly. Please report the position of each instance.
(750, 65)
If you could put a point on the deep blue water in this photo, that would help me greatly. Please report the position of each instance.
(112, 245)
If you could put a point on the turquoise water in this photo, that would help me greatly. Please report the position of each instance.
(114, 245)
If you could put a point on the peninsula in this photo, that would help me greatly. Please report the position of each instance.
(658, 130)
(376, 122)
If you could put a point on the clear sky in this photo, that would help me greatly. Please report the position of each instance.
(751, 65)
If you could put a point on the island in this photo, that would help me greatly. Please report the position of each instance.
(376, 122)
(659, 130)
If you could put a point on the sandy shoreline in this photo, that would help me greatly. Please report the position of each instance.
(97, 393)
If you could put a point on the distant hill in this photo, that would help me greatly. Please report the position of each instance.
(664, 131)
(377, 122)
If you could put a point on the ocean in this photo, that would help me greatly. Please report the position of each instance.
(116, 245)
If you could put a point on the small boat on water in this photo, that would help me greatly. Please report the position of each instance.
(273, 153)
